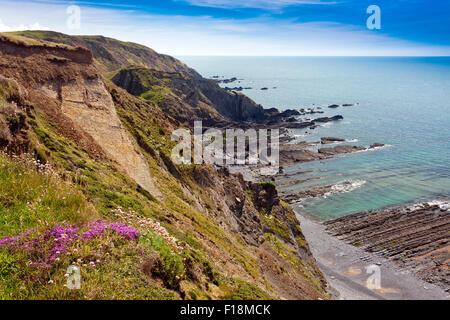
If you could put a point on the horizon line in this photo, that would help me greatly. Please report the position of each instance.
(309, 56)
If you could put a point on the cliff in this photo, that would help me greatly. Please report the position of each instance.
(167, 231)
(174, 87)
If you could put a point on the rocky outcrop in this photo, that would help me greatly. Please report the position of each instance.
(328, 140)
(189, 97)
(416, 237)
(340, 150)
(328, 119)
(13, 126)
(376, 145)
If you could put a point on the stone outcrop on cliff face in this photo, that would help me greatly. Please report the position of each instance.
(191, 97)
(79, 93)
(255, 212)
(233, 105)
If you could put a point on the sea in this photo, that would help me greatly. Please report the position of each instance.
(402, 102)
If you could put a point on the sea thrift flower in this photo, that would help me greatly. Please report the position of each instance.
(46, 247)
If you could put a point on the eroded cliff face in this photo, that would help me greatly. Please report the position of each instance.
(67, 77)
(243, 241)
(188, 97)
(191, 96)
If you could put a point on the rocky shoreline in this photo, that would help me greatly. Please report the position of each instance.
(301, 151)
(347, 269)
(415, 237)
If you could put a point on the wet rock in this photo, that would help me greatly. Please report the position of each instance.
(328, 140)
(227, 80)
(328, 119)
(376, 145)
(289, 113)
(340, 150)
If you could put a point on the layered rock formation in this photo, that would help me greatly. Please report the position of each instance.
(416, 237)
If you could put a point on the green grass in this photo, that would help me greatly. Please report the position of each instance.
(34, 197)
(116, 273)
(241, 290)
(30, 199)
(172, 267)
(17, 38)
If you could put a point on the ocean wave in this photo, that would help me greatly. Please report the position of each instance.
(375, 148)
(443, 204)
(326, 124)
(345, 186)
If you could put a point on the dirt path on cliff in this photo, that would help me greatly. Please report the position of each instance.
(344, 267)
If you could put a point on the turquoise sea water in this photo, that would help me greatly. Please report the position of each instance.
(403, 102)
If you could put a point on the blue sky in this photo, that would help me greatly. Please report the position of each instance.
(249, 27)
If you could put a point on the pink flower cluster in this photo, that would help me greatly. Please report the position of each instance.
(46, 248)
(146, 224)
(97, 228)
(27, 161)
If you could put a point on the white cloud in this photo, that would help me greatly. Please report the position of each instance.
(186, 35)
(21, 27)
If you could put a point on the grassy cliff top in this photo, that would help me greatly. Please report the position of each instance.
(110, 54)
(30, 42)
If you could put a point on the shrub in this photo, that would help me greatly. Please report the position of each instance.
(172, 267)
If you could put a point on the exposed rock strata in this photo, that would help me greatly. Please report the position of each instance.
(416, 237)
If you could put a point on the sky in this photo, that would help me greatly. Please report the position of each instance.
(248, 27)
